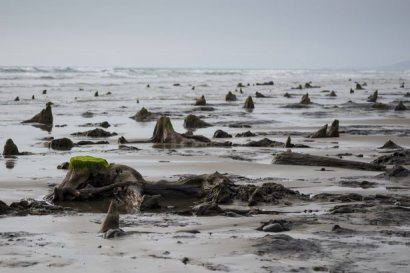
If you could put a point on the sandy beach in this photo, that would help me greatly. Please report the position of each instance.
(334, 219)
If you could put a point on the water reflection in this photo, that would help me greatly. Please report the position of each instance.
(10, 163)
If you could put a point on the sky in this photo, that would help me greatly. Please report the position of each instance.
(284, 34)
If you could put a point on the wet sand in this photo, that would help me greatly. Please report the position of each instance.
(371, 238)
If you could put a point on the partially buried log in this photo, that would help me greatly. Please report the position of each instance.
(44, 117)
(291, 158)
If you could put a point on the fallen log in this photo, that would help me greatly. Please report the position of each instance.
(291, 158)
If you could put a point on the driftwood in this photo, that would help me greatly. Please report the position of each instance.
(291, 158)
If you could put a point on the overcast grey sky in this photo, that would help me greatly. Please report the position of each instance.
(211, 33)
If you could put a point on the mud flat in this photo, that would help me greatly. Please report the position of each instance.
(342, 204)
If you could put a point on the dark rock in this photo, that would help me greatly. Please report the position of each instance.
(97, 132)
(4, 209)
(128, 148)
(87, 142)
(87, 114)
(44, 91)
(192, 121)
(287, 95)
(230, 96)
(32, 97)
(397, 158)
(400, 107)
(332, 94)
(249, 103)
(17, 98)
(113, 233)
(245, 134)
(10, 148)
(103, 124)
(284, 245)
(380, 106)
(402, 85)
(390, 145)
(265, 142)
(221, 134)
(176, 84)
(96, 94)
(407, 95)
(150, 202)
(265, 83)
(275, 227)
(44, 117)
(240, 85)
(144, 115)
(63, 166)
(200, 101)
(259, 95)
(62, 144)
(305, 99)
(207, 209)
(397, 171)
(351, 91)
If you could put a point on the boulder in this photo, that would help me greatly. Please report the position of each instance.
(221, 134)
(97, 132)
(62, 144)
(245, 134)
(192, 122)
(265, 83)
